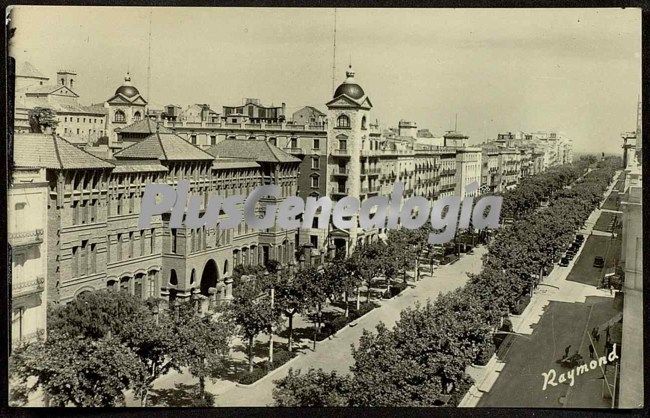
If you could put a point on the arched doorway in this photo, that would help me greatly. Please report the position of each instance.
(210, 277)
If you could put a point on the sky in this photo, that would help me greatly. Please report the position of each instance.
(577, 71)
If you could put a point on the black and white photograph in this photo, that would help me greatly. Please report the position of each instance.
(324, 207)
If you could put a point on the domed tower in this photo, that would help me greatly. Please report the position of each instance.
(348, 146)
(125, 107)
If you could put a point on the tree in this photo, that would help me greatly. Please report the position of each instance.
(251, 310)
(292, 294)
(78, 370)
(101, 314)
(42, 117)
(314, 388)
(202, 342)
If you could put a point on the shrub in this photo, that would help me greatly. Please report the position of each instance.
(282, 356)
(396, 289)
(247, 377)
(330, 327)
(522, 302)
(484, 353)
(363, 309)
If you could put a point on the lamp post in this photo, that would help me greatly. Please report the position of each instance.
(266, 276)
(155, 309)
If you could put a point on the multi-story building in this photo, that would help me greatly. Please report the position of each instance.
(468, 170)
(79, 124)
(631, 366)
(27, 199)
(93, 205)
(308, 115)
(254, 112)
(490, 176)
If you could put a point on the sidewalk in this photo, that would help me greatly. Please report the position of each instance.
(553, 288)
(335, 354)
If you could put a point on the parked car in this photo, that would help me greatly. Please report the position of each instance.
(580, 237)
(564, 262)
(570, 255)
(599, 262)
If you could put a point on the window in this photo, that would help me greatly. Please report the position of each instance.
(131, 202)
(313, 239)
(75, 214)
(151, 289)
(119, 204)
(130, 244)
(75, 264)
(343, 121)
(343, 144)
(294, 142)
(65, 119)
(273, 141)
(193, 139)
(119, 246)
(119, 116)
(316, 144)
(93, 258)
(84, 120)
(174, 237)
(315, 162)
(141, 242)
(314, 181)
(213, 140)
(77, 120)
(153, 241)
(137, 116)
(363, 122)
(77, 131)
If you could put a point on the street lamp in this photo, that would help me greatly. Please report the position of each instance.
(266, 277)
(155, 309)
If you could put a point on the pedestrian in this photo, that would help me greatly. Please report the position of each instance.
(611, 289)
(566, 351)
(591, 351)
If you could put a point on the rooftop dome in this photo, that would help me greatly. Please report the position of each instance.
(349, 87)
(127, 88)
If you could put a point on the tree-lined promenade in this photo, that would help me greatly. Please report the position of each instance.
(422, 360)
(106, 343)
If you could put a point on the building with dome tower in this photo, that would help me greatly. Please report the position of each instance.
(125, 107)
(347, 137)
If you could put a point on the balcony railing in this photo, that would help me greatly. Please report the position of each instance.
(340, 171)
(371, 172)
(21, 239)
(340, 191)
(341, 152)
(25, 288)
(294, 150)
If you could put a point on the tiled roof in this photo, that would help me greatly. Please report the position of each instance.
(59, 106)
(257, 150)
(137, 166)
(144, 126)
(226, 163)
(26, 69)
(52, 151)
(164, 146)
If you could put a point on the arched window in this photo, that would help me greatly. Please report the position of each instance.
(137, 116)
(119, 116)
(363, 122)
(173, 280)
(343, 121)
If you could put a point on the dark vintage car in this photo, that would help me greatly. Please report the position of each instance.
(580, 238)
(564, 262)
(599, 262)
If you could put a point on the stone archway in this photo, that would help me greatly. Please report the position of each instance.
(210, 277)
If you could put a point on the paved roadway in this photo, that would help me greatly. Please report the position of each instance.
(336, 354)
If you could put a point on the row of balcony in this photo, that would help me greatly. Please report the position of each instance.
(21, 239)
(344, 171)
